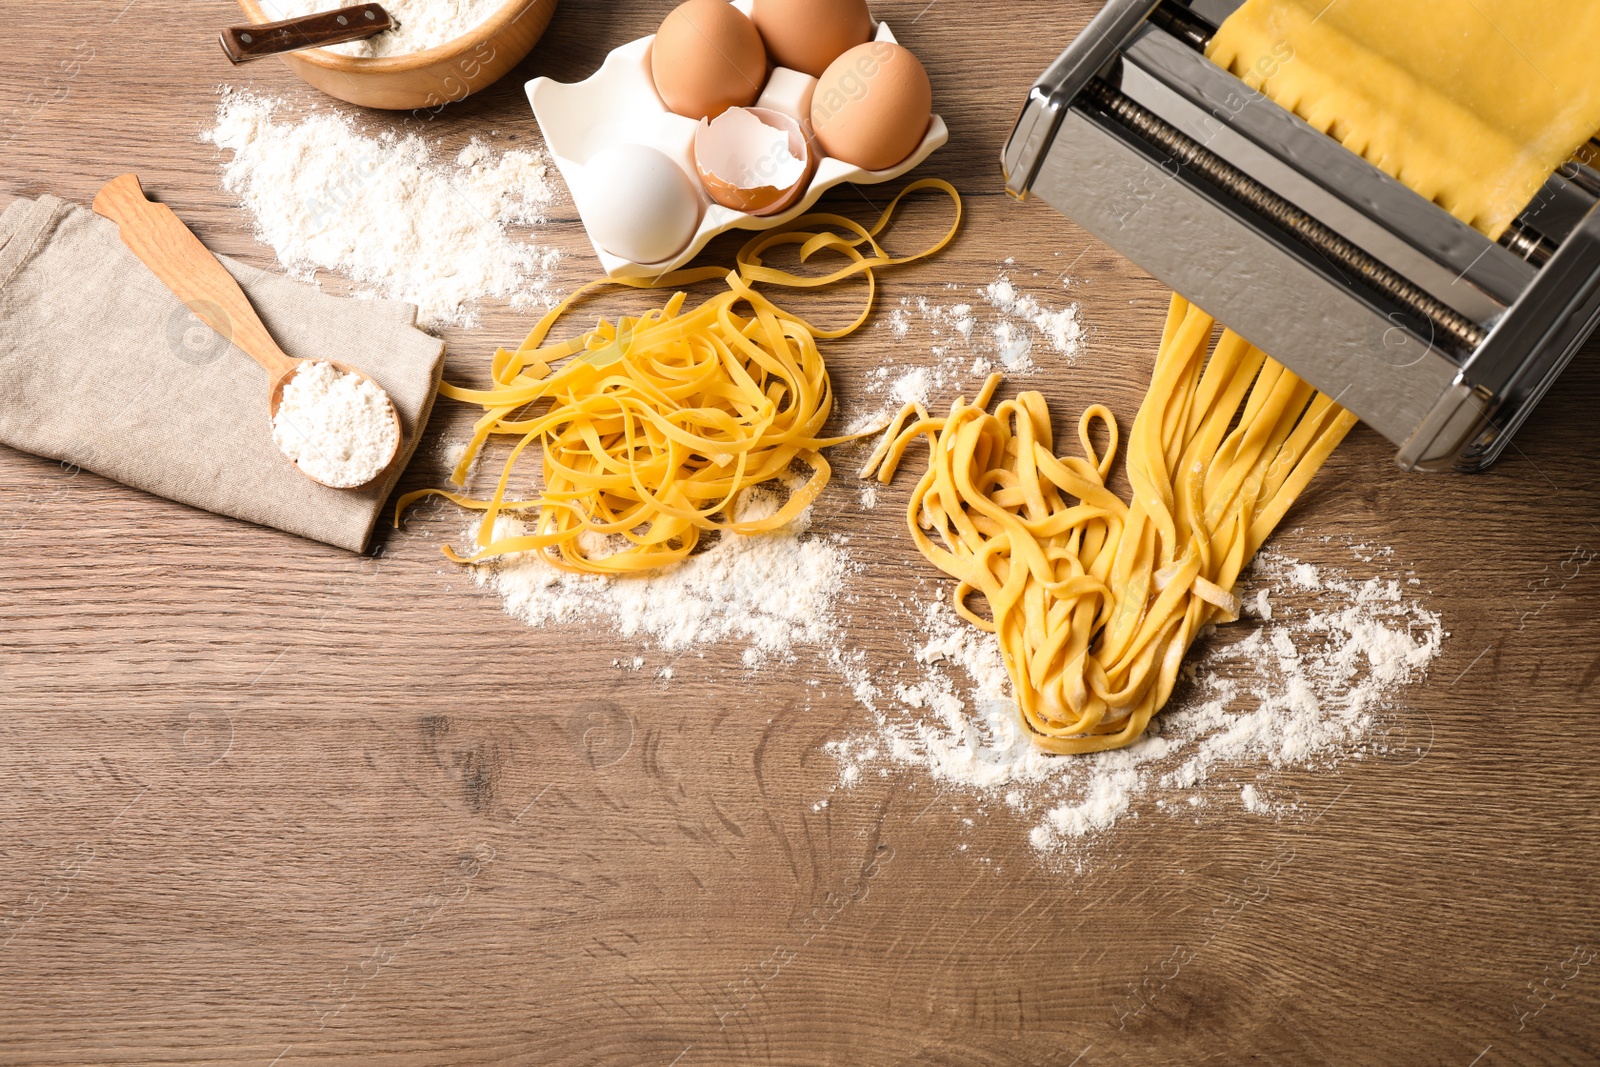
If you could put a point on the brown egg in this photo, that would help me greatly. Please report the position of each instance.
(872, 106)
(708, 57)
(807, 35)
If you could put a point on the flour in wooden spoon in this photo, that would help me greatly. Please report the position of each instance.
(380, 210)
(339, 428)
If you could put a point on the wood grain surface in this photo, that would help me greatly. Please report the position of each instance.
(265, 802)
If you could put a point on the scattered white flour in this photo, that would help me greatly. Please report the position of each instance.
(338, 427)
(770, 591)
(418, 24)
(379, 210)
(912, 387)
(968, 344)
(1305, 687)
(1020, 311)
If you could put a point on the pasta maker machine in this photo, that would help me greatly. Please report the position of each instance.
(1435, 336)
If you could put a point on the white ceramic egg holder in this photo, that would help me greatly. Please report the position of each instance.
(619, 104)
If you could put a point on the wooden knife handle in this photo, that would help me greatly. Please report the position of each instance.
(175, 255)
(244, 43)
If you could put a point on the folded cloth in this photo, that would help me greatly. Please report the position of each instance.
(101, 366)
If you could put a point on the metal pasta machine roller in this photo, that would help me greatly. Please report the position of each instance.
(1436, 337)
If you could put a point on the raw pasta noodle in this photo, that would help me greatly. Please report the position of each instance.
(656, 423)
(1095, 600)
(1471, 103)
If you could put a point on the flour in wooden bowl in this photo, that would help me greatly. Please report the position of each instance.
(418, 24)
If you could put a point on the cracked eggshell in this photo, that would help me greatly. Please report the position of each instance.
(730, 157)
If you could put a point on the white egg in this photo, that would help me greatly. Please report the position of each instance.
(638, 203)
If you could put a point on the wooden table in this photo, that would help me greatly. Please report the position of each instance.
(270, 803)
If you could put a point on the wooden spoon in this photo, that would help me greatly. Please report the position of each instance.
(195, 276)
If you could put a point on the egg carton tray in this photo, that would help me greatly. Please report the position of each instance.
(619, 104)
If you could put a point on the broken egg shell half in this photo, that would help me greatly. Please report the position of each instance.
(721, 149)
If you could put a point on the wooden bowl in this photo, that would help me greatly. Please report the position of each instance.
(433, 77)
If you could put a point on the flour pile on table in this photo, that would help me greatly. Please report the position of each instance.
(769, 591)
(999, 328)
(380, 210)
(1306, 686)
(418, 24)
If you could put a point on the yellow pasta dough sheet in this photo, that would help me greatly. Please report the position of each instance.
(1471, 103)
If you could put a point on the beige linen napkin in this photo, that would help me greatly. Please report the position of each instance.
(101, 366)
